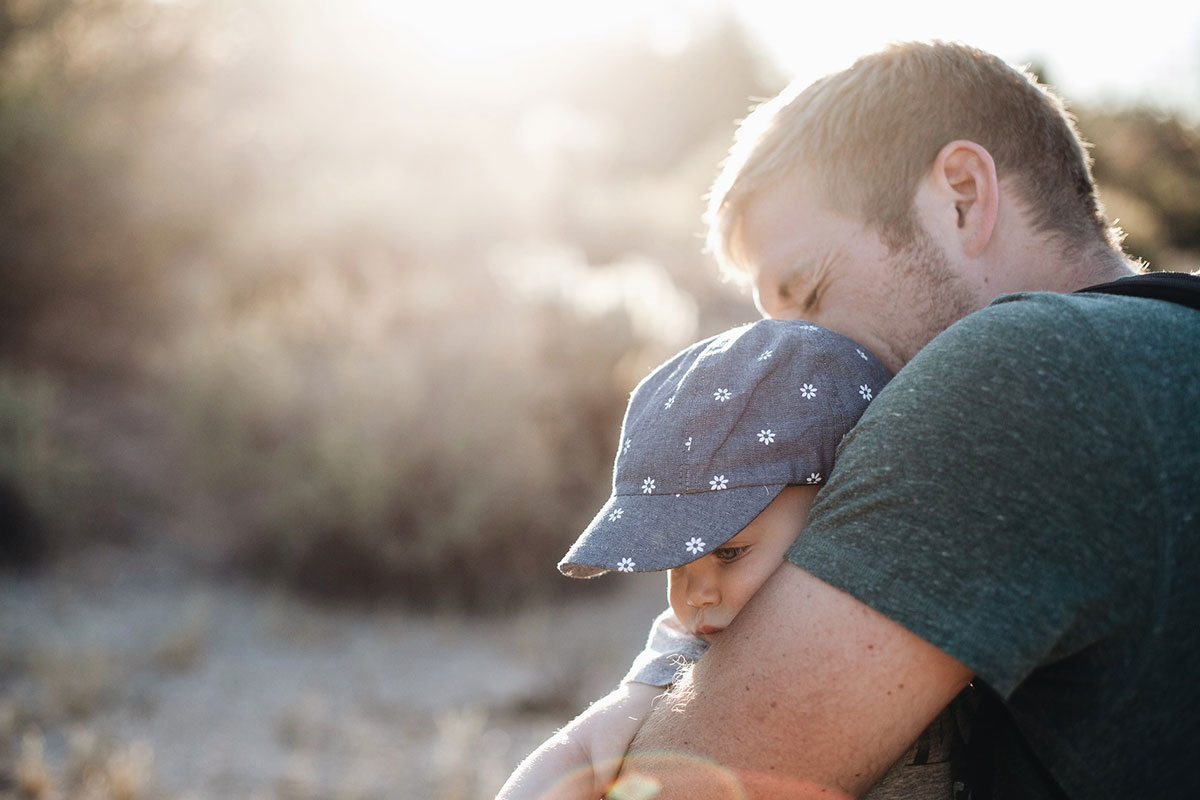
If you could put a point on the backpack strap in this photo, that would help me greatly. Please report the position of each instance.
(1176, 287)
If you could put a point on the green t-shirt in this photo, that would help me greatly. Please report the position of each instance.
(1025, 495)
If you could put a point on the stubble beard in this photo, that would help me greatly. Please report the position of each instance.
(931, 296)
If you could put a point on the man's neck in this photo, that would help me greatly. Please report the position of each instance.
(1102, 265)
(1059, 269)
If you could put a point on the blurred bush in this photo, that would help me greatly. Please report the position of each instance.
(373, 321)
(82, 237)
(46, 485)
(1148, 168)
(320, 305)
(357, 444)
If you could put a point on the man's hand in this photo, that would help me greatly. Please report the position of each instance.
(809, 693)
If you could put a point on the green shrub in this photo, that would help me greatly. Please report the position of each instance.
(45, 485)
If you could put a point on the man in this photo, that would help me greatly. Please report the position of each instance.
(1019, 507)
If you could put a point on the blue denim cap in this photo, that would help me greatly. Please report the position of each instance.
(712, 436)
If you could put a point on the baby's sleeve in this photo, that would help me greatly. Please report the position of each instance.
(669, 648)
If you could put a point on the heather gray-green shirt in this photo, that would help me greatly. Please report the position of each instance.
(1025, 495)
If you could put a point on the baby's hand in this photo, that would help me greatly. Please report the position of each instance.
(583, 759)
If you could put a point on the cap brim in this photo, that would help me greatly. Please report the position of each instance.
(648, 533)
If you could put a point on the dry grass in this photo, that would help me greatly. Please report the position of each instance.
(76, 680)
(458, 733)
(185, 646)
(305, 726)
(227, 693)
(33, 775)
(94, 768)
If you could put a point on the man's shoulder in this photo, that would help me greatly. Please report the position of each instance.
(1041, 351)
(1017, 333)
(1044, 330)
(1056, 310)
(1010, 315)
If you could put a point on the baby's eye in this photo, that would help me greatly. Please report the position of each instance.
(728, 554)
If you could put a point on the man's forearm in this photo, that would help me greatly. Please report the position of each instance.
(808, 694)
(675, 755)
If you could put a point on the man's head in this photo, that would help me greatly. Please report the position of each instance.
(860, 147)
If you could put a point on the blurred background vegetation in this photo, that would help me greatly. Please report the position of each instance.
(286, 294)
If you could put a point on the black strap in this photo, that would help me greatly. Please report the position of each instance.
(995, 761)
(1177, 287)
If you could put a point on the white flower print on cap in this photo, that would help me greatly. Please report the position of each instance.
(721, 428)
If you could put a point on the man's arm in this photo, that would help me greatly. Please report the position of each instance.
(809, 693)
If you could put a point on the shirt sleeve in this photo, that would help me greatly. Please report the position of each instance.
(669, 648)
(984, 499)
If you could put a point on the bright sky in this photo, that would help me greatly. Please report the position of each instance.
(1150, 48)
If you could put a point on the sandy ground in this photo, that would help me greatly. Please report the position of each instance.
(124, 676)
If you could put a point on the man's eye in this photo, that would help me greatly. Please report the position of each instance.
(728, 554)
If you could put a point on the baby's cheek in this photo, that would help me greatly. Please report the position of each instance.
(678, 605)
(734, 609)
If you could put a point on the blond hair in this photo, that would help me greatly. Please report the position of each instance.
(868, 134)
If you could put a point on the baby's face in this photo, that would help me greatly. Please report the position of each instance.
(709, 592)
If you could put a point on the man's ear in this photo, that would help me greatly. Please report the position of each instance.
(966, 190)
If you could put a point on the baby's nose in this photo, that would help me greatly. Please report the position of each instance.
(703, 590)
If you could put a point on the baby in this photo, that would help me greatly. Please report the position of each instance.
(721, 453)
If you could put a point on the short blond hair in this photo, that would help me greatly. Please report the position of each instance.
(868, 134)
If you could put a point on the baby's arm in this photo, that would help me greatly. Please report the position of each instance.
(582, 759)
